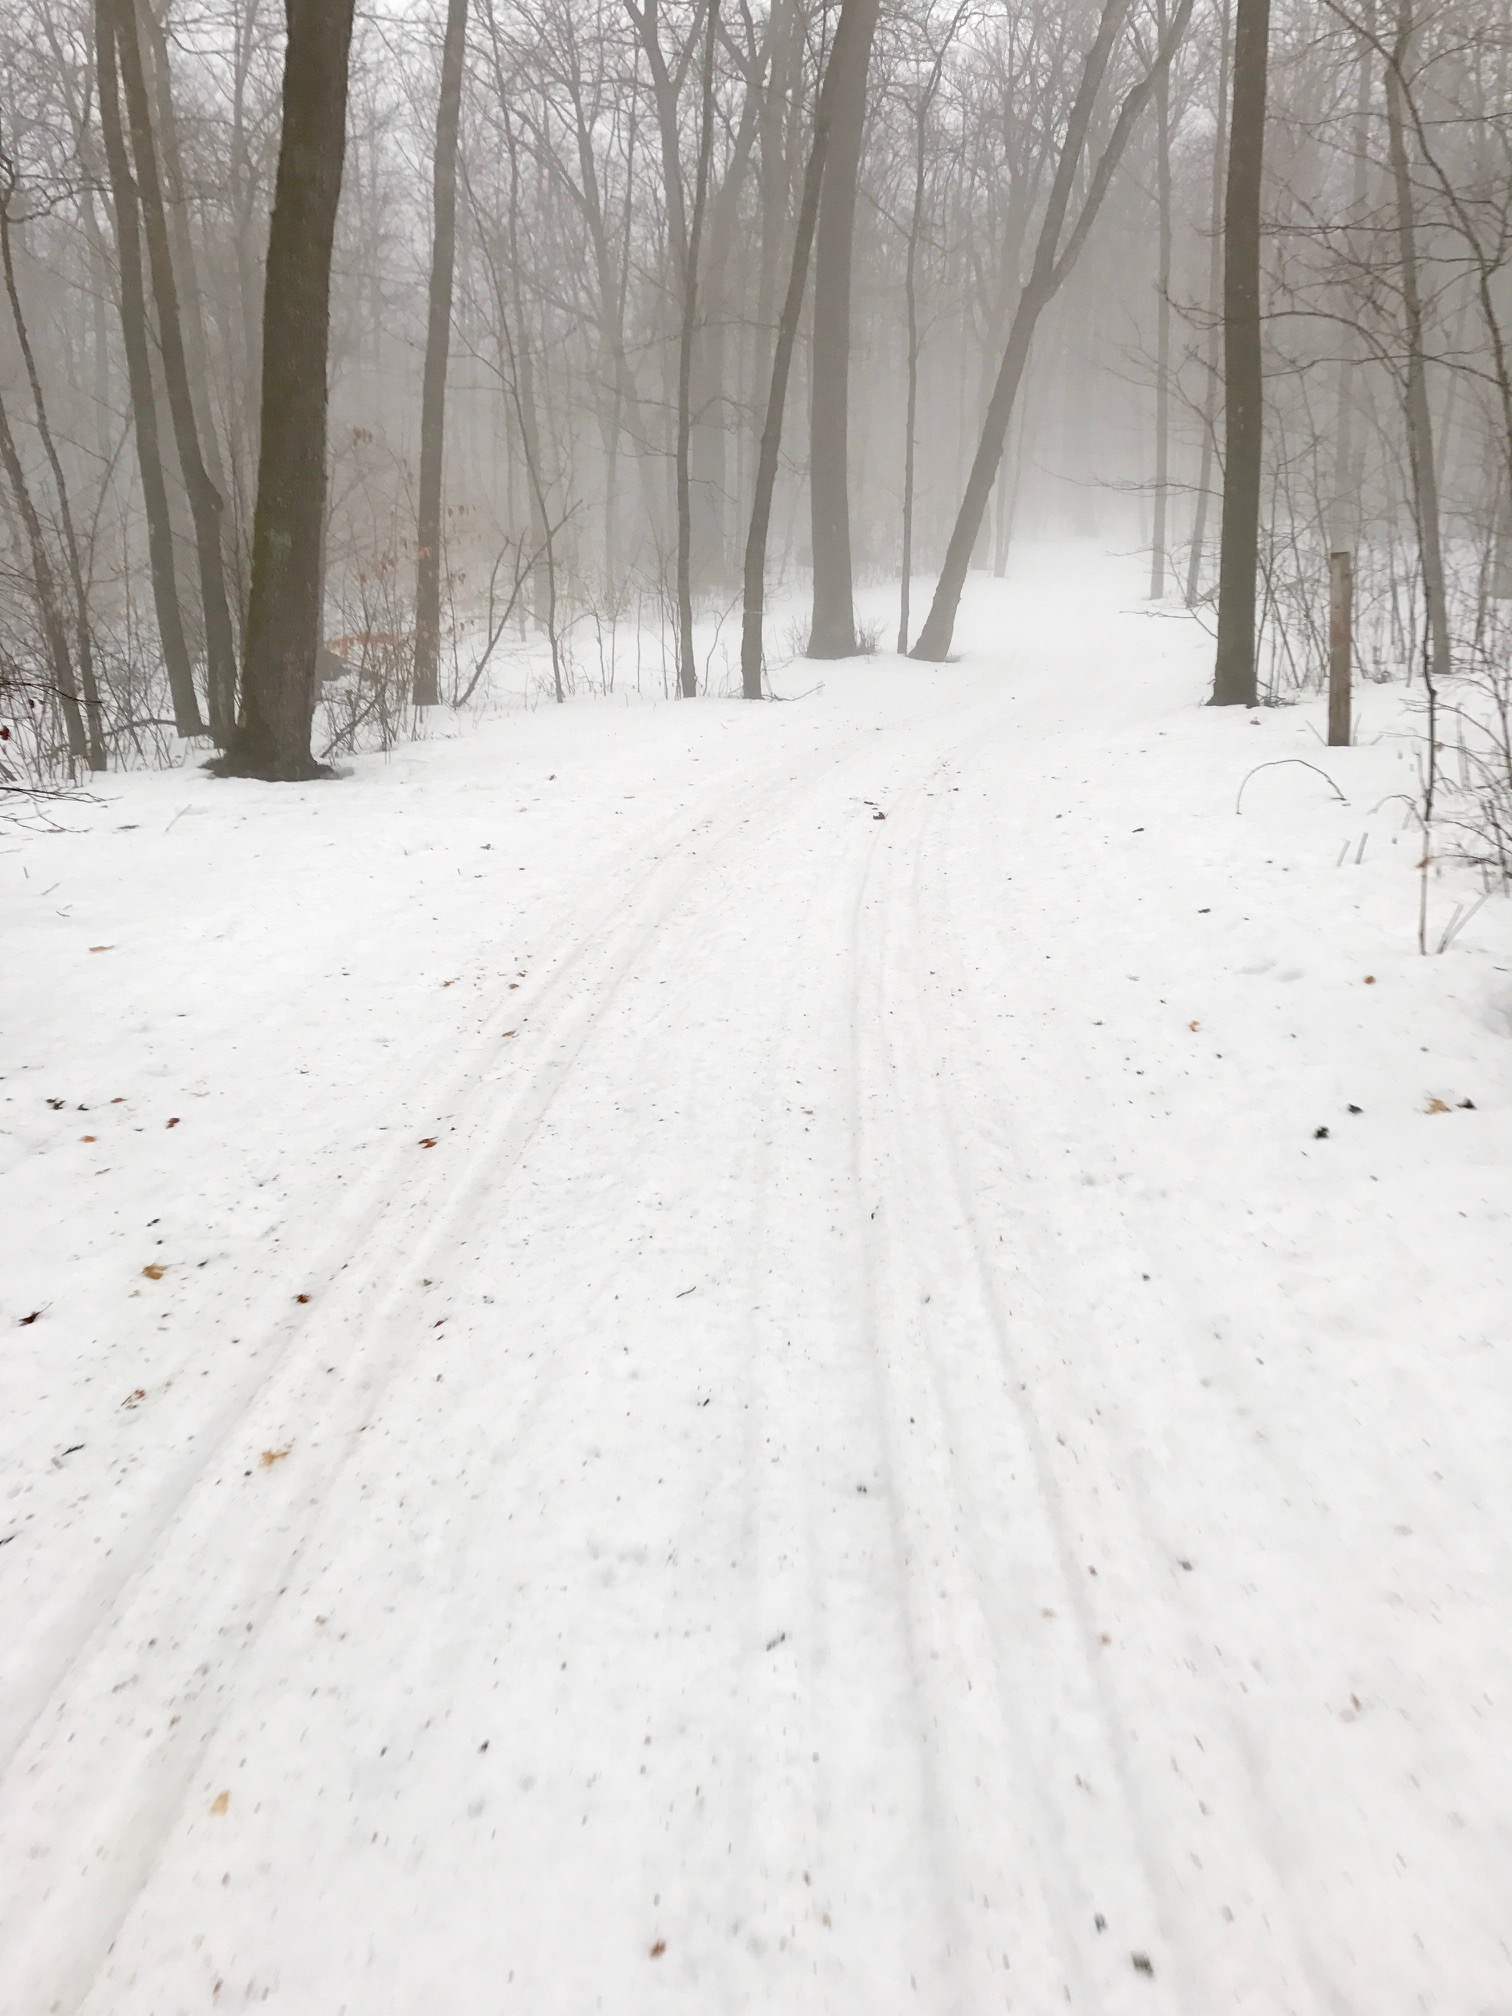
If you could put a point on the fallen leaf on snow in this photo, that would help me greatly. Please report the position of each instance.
(429, 1141)
(102, 948)
(174, 1121)
(271, 1456)
(658, 1949)
(220, 1802)
(1435, 1106)
(30, 1319)
(1194, 1026)
(135, 1399)
(89, 1137)
(155, 1270)
(301, 1298)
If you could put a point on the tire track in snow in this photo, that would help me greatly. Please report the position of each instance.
(77, 1781)
(811, 1709)
(1218, 1766)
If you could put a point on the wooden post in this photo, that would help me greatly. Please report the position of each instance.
(1340, 646)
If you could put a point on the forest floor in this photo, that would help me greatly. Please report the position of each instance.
(852, 1356)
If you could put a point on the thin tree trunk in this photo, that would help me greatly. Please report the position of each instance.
(272, 738)
(911, 304)
(1345, 502)
(1163, 327)
(1214, 292)
(196, 347)
(205, 502)
(782, 360)
(1053, 260)
(832, 630)
(687, 665)
(1234, 679)
(437, 350)
(45, 591)
(1419, 418)
(911, 398)
(170, 616)
(93, 722)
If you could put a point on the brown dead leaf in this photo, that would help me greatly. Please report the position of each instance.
(429, 1141)
(135, 1399)
(89, 1137)
(1194, 1026)
(1370, 979)
(301, 1298)
(155, 1270)
(1435, 1106)
(271, 1456)
(658, 1949)
(174, 1121)
(220, 1802)
(102, 948)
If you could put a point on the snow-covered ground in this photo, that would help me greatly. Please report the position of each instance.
(852, 1356)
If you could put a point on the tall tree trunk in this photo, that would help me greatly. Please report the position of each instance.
(1234, 679)
(93, 722)
(911, 362)
(196, 347)
(782, 358)
(205, 502)
(1162, 326)
(832, 632)
(687, 665)
(1214, 289)
(1055, 255)
(272, 738)
(437, 350)
(170, 615)
(1344, 505)
(1419, 418)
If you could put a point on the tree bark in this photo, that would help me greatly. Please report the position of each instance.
(272, 738)
(437, 351)
(1344, 505)
(205, 502)
(1419, 417)
(1234, 678)
(782, 360)
(1215, 283)
(687, 666)
(832, 631)
(1162, 327)
(170, 616)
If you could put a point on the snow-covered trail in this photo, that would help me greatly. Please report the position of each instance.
(873, 1466)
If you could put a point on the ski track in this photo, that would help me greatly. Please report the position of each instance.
(70, 1784)
(954, 1736)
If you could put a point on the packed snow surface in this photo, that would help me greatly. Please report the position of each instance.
(849, 1356)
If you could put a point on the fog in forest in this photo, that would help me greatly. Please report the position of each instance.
(755, 997)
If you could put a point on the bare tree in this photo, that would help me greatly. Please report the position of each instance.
(437, 350)
(832, 631)
(272, 738)
(1055, 255)
(205, 502)
(1234, 682)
